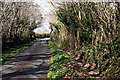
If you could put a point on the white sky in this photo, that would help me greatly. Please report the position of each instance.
(45, 9)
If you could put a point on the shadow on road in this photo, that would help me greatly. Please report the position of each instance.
(28, 71)
(33, 62)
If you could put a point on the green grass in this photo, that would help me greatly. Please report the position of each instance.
(58, 61)
(13, 51)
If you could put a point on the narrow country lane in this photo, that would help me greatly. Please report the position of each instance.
(32, 63)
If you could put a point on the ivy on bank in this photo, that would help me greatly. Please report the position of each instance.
(58, 62)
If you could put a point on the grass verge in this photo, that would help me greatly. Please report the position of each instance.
(14, 51)
(58, 62)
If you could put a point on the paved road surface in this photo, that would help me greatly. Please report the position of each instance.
(32, 63)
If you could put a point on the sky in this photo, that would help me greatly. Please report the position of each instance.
(46, 10)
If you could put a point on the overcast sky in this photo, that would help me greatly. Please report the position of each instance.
(46, 10)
